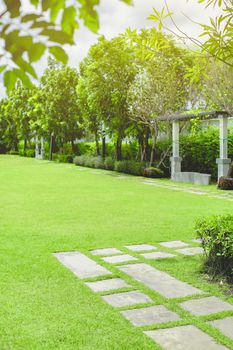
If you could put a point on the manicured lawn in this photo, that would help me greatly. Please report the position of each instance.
(48, 207)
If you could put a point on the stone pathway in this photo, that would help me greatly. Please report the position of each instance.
(189, 189)
(135, 302)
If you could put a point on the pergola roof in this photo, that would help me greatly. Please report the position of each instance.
(202, 115)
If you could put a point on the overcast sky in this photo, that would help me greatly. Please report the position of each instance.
(115, 16)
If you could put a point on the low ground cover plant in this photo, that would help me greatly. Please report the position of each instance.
(125, 166)
(216, 233)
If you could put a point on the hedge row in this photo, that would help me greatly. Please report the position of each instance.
(125, 166)
(216, 233)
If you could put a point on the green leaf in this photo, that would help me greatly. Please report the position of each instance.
(9, 80)
(36, 52)
(57, 36)
(2, 68)
(25, 66)
(23, 77)
(56, 8)
(59, 54)
(13, 6)
(69, 23)
(30, 17)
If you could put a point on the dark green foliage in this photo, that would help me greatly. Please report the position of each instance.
(216, 233)
(130, 167)
(13, 153)
(109, 163)
(199, 151)
(63, 158)
(28, 153)
(153, 172)
(225, 183)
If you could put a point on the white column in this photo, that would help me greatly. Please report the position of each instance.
(42, 147)
(223, 162)
(175, 159)
(37, 147)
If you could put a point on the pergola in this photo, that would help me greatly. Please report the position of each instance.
(223, 161)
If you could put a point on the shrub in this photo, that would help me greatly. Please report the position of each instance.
(216, 234)
(63, 158)
(109, 163)
(129, 167)
(98, 162)
(13, 153)
(153, 172)
(79, 160)
(225, 183)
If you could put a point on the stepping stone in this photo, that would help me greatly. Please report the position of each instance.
(157, 255)
(206, 306)
(198, 240)
(106, 251)
(159, 281)
(119, 258)
(81, 265)
(225, 326)
(106, 285)
(140, 247)
(126, 298)
(173, 244)
(184, 338)
(191, 251)
(150, 315)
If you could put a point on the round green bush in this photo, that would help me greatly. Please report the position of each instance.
(109, 163)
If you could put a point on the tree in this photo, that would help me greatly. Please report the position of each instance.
(8, 128)
(61, 116)
(107, 72)
(160, 87)
(46, 26)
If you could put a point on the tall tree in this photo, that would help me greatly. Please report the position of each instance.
(61, 111)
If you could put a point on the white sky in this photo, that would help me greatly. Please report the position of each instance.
(115, 16)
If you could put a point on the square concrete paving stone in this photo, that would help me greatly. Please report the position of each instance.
(159, 281)
(81, 265)
(225, 326)
(106, 251)
(126, 298)
(191, 251)
(106, 285)
(157, 255)
(206, 306)
(174, 244)
(140, 247)
(150, 315)
(119, 258)
(184, 338)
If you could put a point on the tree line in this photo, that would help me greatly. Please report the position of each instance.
(120, 89)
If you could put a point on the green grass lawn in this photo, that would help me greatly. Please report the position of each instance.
(48, 207)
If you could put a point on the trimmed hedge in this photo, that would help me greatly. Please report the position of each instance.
(216, 233)
(130, 167)
(126, 166)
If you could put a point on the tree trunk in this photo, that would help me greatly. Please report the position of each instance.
(97, 144)
(154, 138)
(51, 148)
(118, 148)
(25, 147)
(103, 146)
(230, 172)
